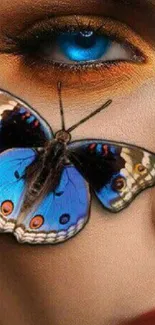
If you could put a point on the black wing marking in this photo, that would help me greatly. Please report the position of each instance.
(20, 125)
(117, 172)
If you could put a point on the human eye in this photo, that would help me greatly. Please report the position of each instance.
(64, 45)
(74, 42)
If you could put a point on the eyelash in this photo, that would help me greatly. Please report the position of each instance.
(25, 44)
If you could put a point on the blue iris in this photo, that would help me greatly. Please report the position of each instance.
(83, 46)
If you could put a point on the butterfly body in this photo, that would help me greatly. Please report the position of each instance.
(45, 179)
(43, 175)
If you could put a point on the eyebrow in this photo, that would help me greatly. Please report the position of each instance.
(72, 5)
(139, 14)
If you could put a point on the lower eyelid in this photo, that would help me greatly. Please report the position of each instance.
(106, 80)
(106, 75)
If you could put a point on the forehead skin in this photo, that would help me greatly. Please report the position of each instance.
(106, 273)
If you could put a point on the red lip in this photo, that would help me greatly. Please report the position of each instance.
(145, 319)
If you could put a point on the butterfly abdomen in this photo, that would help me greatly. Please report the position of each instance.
(43, 175)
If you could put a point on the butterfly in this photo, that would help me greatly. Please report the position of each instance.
(46, 180)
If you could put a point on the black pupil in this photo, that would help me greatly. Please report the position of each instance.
(85, 39)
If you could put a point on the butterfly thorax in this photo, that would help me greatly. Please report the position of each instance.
(44, 174)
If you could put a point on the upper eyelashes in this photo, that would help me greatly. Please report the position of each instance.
(74, 42)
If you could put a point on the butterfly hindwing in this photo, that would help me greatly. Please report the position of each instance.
(117, 172)
(13, 163)
(20, 125)
(59, 216)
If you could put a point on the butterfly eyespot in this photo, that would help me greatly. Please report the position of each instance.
(64, 218)
(119, 184)
(140, 169)
(92, 146)
(17, 174)
(36, 222)
(59, 193)
(7, 208)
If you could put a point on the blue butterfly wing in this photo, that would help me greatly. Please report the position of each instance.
(117, 172)
(60, 215)
(13, 163)
(20, 125)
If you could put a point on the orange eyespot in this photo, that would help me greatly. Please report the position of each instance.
(119, 184)
(36, 222)
(7, 208)
(140, 169)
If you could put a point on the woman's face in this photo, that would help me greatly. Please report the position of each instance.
(105, 274)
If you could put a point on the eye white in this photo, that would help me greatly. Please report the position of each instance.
(115, 51)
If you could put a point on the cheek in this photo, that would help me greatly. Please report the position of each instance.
(129, 118)
(153, 209)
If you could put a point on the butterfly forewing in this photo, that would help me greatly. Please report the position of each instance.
(116, 172)
(20, 125)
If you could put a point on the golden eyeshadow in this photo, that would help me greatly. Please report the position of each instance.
(107, 75)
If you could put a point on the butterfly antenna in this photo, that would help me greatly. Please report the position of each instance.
(59, 86)
(90, 115)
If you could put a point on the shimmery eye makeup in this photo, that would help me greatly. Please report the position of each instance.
(75, 43)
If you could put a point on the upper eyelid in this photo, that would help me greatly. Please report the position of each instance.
(107, 26)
